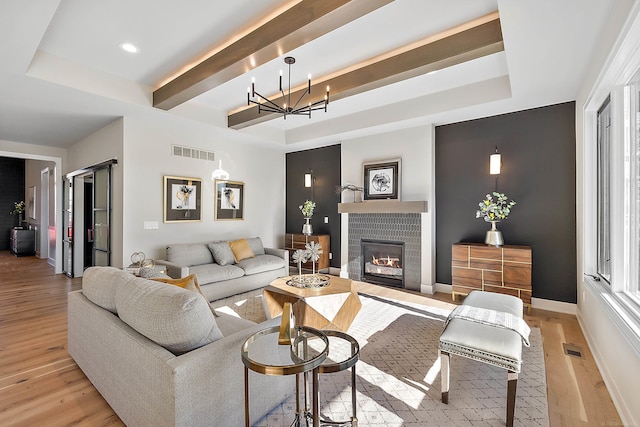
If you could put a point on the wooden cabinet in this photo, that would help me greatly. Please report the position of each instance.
(505, 269)
(22, 242)
(294, 241)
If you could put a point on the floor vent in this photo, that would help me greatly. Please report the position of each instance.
(193, 153)
(572, 350)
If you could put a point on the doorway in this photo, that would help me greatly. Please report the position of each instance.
(87, 218)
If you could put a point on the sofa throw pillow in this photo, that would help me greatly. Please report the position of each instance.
(241, 249)
(221, 252)
(173, 317)
(255, 243)
(189, 283)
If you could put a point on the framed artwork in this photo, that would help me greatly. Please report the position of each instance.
(182, 199)
(382, 180)
(32, 202)
(229, 200)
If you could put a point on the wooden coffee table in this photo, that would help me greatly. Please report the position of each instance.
(332, 307)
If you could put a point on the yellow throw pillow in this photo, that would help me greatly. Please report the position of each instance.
(241, 249)
(189, 283)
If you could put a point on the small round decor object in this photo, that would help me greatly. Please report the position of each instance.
(309, 281)
(147, 263)
(137, 258)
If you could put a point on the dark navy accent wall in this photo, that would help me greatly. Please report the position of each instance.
(538, 150)
(12, 176)
(326, 165)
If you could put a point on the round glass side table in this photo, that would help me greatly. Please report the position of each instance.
(305, 353)
(344, 354)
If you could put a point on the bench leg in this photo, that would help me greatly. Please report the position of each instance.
(444, 375)
(512, 383)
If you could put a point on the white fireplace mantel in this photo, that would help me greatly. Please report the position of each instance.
(384, 206)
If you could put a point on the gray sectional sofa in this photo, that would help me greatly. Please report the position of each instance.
(159, 357)
(219, 273)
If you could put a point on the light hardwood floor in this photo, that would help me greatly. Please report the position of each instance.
(40, 385)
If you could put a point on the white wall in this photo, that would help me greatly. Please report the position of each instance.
(415, 146)
(148, 157)
(610, 339)
(102, 145)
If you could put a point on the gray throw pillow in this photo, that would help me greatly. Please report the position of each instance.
(255, 243)
(221, 252)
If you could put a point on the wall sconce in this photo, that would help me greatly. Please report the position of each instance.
(495, 162)
(308, 179)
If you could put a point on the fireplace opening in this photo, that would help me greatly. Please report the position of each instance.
(382, 262)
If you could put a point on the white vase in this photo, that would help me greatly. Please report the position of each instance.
(307, 229)
(494, 236)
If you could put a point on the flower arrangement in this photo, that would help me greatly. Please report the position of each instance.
(307, 208)
(495, 209)
(18, 208)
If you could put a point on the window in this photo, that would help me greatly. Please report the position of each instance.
(632, 171)
(604, 190)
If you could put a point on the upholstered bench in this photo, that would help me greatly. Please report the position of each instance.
(489, 328)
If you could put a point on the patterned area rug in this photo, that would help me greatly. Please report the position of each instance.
(398, 375)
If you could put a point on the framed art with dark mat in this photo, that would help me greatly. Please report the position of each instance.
(182, 199)
(382, 180)
(229, 200)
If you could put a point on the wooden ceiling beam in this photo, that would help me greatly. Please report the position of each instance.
(296, 26)
(470, 42)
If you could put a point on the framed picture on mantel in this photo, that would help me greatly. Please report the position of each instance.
(382, 180)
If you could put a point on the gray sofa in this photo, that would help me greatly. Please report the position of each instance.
(195, 378)
(219, 274)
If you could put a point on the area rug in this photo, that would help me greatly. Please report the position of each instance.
(398, 375)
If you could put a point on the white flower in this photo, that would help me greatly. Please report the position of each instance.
(300, 256)
(313, 251)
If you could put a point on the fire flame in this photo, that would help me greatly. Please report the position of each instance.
(387, 262)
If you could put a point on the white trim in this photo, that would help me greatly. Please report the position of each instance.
(427, 289)
(614, 313)
(542, 304)
(444, 288)
(625, 321)
(556, 306)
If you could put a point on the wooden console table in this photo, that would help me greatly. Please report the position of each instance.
(294, 241)
(505, 269)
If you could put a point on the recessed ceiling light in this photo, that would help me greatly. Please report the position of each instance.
(129, 47)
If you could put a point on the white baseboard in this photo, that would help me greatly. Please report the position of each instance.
(444, 288)
(557, 306)
(427, 289)
(543, 304)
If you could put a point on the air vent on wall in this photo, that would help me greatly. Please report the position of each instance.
(193, 153)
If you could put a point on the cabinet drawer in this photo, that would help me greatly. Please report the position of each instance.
(517, 275)
(466, 277)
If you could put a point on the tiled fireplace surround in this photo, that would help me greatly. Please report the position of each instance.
(399, 227)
